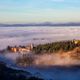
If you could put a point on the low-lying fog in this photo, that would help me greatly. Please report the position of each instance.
(39, 35)
(41, 60)
(47, 72)
(36, 35)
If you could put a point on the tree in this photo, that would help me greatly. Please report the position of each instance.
(8, 48)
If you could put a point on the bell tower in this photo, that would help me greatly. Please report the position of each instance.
(31, 46)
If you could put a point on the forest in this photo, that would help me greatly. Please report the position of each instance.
(55, 47)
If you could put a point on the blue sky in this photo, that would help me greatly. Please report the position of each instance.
(27, 11)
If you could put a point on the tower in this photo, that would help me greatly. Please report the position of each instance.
(31, 46)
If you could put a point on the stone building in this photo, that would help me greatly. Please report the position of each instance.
(21, 49)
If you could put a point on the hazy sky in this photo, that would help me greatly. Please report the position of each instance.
(23, 11)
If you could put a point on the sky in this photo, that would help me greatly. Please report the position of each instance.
(30, 11)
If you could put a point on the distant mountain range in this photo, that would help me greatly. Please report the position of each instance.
(41, 24)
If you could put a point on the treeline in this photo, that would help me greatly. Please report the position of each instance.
(55, 47)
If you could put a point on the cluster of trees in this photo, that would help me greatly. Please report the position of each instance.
(55, 47)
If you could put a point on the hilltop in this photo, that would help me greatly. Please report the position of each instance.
(67, 53)
(57, 46)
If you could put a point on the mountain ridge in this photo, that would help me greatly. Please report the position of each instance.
(39, 24)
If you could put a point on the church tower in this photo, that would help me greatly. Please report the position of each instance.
(31, 46)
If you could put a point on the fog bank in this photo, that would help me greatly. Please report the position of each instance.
(36, 35)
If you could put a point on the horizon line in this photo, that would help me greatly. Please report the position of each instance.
(41, 24)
